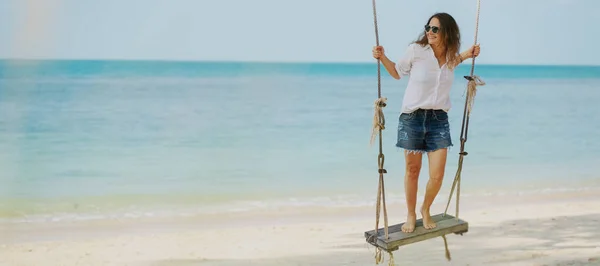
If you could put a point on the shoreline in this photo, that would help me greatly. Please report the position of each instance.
(520, 231)
(125, 207)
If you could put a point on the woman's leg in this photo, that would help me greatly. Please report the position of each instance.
(437, 141)
(411, 137)
(411, 182)
(437, 165)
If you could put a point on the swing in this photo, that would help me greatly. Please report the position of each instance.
(390, 238)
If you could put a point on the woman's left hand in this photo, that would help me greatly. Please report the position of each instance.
(474, 51)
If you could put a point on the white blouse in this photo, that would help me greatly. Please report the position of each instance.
(428, 84)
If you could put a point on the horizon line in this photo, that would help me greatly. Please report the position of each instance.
(262, 61)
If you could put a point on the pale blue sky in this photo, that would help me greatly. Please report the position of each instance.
(537, 31)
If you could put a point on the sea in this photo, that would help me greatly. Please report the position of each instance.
(85, 139)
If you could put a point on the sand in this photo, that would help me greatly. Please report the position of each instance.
(549, 229)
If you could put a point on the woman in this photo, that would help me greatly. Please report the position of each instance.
(423, 124)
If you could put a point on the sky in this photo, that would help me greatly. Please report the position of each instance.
(540, 32)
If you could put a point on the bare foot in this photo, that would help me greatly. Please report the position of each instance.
(428, 223)
(409, 225)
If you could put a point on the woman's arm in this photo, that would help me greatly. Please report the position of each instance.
(390, 67)
(378, 53)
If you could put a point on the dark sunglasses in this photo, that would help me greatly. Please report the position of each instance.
(434, 29)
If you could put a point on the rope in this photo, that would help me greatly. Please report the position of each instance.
(446, 246)
(378, 118)
(474, 81)
(379, 257)
(378, 126)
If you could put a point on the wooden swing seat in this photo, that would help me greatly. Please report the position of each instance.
(446, 224)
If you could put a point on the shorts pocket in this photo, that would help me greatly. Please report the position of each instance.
(441, 116)
(407, 116)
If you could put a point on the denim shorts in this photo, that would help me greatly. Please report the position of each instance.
(424, 131)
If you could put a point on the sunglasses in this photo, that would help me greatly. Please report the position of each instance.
(433, 29)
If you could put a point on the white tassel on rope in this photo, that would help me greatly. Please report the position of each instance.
(472, 91)
(378, 118)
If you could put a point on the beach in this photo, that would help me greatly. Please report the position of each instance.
(558, 229)
(232, 163)
(222, 133)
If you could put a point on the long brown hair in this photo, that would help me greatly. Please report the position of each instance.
(450, 35)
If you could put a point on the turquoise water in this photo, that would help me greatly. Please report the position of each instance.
(88, 139)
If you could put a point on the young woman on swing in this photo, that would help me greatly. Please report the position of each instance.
(423, 124)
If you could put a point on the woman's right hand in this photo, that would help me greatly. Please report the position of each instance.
(378, 52)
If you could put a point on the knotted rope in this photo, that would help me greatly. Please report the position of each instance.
(378, 127)
(378, 118)
(472, 90)
(473, 82)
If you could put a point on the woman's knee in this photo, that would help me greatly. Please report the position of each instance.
(437, 176)
(413, 170)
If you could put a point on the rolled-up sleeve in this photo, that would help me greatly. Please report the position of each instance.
(404, 64)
